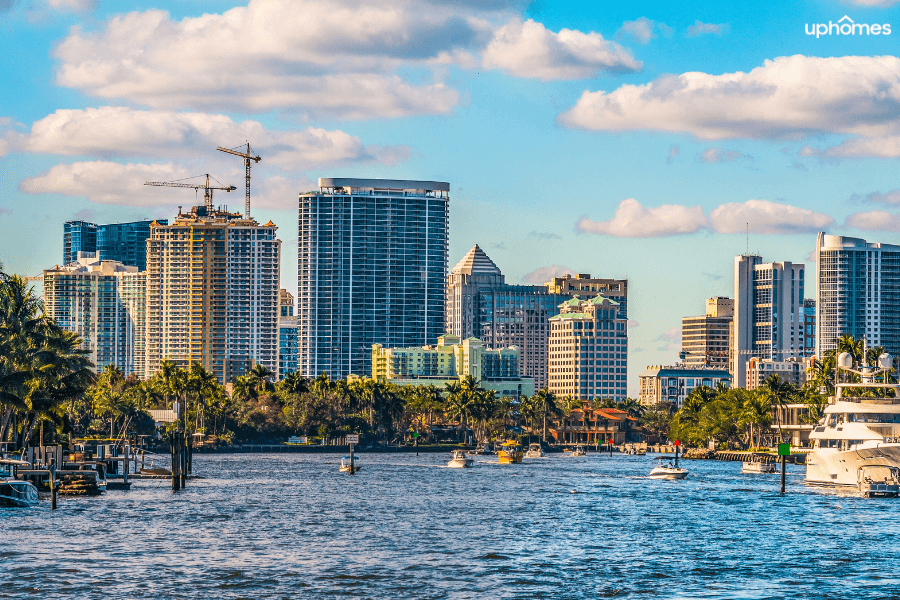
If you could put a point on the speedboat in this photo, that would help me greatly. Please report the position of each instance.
(577, 451)
(510, 453)
(15, 492)
(345, 465)
(878, 480)
(756, 465)
(860, 427)
(534, 451)
(667, 471)
(460, 460)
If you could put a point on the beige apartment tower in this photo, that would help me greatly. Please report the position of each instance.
(212, 293)
(706, 340)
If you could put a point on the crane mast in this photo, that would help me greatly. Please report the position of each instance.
(207, 189)
(248, 157)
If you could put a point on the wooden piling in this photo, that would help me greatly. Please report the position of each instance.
(126, 465)
(53, 487)
(182, 468)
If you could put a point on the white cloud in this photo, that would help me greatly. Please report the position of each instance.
(542, 275)
(671, 340)
(874, 147)
(73, 5)
(892, 197)
(700, 28)
(766, 217)
(720, 155)
(528, 49)
(878, 3)
(641, 29)
(788, 97)
(674, 151)
(634, 221)
(876, 220)
(106, 182)
(110, 132)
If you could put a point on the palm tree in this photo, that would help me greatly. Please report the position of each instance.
(546, 403)
(779, 393)
(756, 411)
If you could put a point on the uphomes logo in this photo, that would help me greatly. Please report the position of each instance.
(846, 26)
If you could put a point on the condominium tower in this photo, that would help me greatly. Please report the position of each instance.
(212, 293)
(372, 261)
(481, 304)
(768, 312)
(706, 340)
(104, 303)
(588, 350)
(857, 293)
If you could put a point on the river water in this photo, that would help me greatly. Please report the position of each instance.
(291, 526)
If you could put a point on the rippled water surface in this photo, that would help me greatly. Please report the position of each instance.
(291, 526)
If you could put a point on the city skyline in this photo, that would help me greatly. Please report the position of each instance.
(512, 103)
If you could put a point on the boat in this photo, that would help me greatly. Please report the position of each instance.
(635, 450)
(860, 428)
(16, 492)
(878, 480)
(483, 448)
(668, 470)
(460, 460)
(345, 465)
(577, 451)
(296, 440)
(510, 453)
(534, 451)
(756, 465)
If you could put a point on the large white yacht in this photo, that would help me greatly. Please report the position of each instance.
(858, 436)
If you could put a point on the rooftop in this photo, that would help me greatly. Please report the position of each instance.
(476, 262)
(399, 185)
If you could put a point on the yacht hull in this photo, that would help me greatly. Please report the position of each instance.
(839, 468)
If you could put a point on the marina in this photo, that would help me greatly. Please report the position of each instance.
(690, 540)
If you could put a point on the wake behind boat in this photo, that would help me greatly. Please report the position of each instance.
(860, 429)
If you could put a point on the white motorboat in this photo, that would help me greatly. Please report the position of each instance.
(460, 460)
(878, 480)
(345, 465)
(534, 451)
(15, 492)
(756, 465)
(667, 471)
(577, 451)
(857, 432)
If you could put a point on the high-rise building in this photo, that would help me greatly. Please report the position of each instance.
(212, 293)
(809, 325)
(857, 293)
(287, 335)
(672, 384)
(122, 242)
(768, 312)
(78, 236)
(481, 304)
(705, 340)
(449, 361)
(588, 356)
(372, 262)
(104, 303)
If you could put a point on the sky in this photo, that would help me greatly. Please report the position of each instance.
(652, 141)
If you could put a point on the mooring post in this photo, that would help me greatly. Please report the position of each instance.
(782, 472)
(53, 484)
(182, 469)
(174, 448)
(125, 465)
(352, 469)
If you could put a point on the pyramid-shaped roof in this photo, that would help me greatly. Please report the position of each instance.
(476, 262)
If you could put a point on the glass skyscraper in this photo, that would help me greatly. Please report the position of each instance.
(122, 242)
(372, 262)
(858, 292)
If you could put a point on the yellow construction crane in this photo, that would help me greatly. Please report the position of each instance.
(247, 156)
(207, 189)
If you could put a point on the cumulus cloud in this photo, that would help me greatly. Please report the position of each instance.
(876, 220)
(632, 220)
(892, 197)
(700, 28)
(528, 49)
(785, 98)
(542, 275)
(671, 340)
(767, 217)
(641, 29)
(859, 147)
(720, 155)
(674, 151)
(110, 132)
(105, 182)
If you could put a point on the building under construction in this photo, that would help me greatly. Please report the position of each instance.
(212, 293)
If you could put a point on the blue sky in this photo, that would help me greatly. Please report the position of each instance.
(632, 140)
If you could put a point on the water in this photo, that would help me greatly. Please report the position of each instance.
(291, 526)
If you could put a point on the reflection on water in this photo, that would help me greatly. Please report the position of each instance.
(290, 526)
